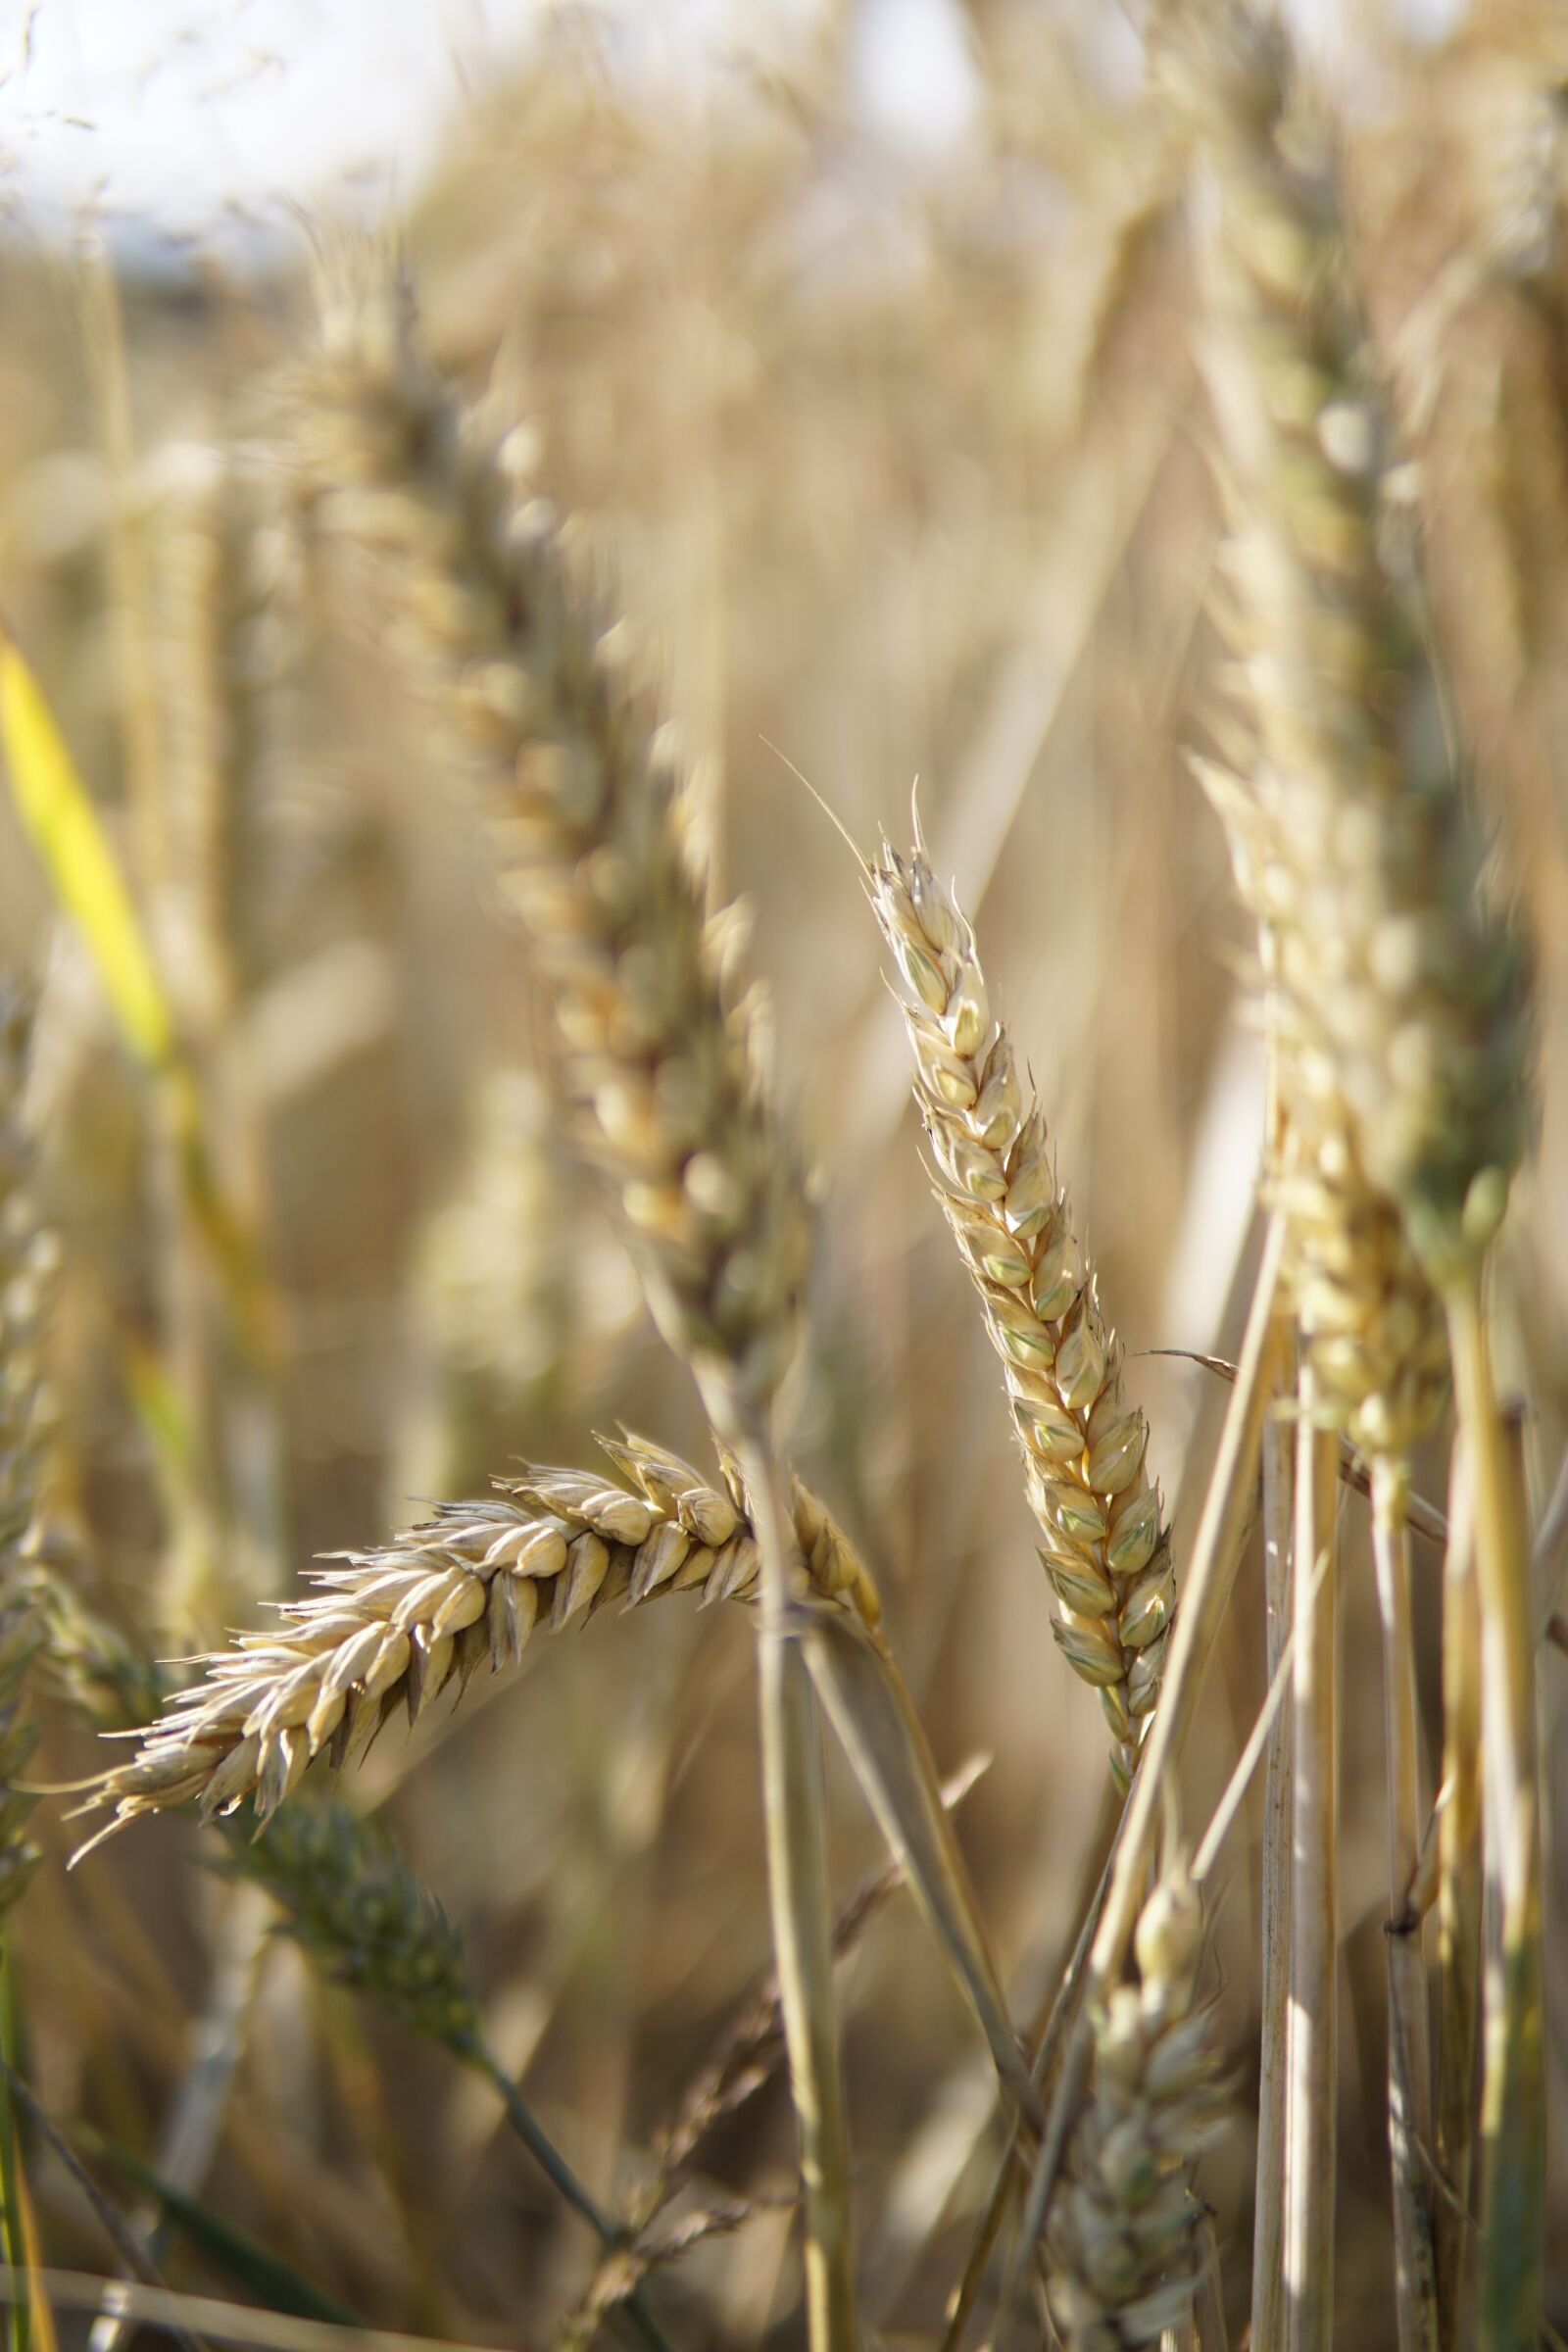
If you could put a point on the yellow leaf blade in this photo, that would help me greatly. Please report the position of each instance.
(58, 815)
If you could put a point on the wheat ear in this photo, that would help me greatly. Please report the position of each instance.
(589, 828)
(589, 833)
(390, 1628)
(1103, 1542)
(1122, 2260)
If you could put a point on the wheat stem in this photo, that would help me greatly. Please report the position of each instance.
(1311, 2041)
(1268, 2265)
(1410, 2051)
(1512, 2110)
(794, 1814)
(1459, 1902)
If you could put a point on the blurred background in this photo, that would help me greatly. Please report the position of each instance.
(862, 338)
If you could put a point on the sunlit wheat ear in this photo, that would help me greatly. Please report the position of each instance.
(1104, 1544)
(1121, 2260)
(473, 580)
(391, 1628)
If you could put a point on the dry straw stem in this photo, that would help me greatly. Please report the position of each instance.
(1105, 1545)
(1409, 2033)
(1122, 2257)
(392, 1627)
(1312, 2037)
(1459, 1903)
(1274, 1903)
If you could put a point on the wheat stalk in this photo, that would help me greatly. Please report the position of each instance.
(390, 1628)
(1398, 1012)
(1122, 2260)
(1105, 1545)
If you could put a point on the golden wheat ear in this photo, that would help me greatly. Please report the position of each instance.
(1103, 1542)
(390, 1629)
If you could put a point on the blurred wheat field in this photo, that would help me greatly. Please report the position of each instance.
(901, 462)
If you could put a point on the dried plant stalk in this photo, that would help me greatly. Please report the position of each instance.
(1410, 2032)
(394, 1626)
(1459, 1906)
(1122, 2257)
(1312, 2039)
(1104, 1544)
(1274, 1907)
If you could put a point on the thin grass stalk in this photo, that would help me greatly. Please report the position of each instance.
(1216, 1555)
(1512, 2101)
(1274, 1903)
(1312, 2042)
(794, 1823)
(1410, 2027)
(1459, 1903)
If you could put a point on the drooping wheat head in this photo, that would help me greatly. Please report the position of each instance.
(594, 850)
(1120, 2251)
(392, 1627)
(1104, 1544)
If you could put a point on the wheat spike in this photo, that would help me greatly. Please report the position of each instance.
(589, 828)
(392, 1627)
(1104, 1543)
(1397, 1000)
(1120, 2254)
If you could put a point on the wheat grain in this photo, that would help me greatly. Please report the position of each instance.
(1121, 2258)
(1104, 1548)
(392, 1627)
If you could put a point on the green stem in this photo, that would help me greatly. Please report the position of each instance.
(19, 2312)
(476, 2052)
(1512, 2110)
